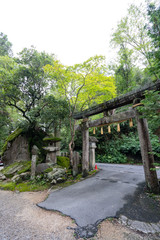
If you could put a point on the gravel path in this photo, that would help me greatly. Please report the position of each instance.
(21, 219)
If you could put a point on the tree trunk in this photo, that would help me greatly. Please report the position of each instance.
(57, 134)
(147, 157)
(85, 148)
(71, 144)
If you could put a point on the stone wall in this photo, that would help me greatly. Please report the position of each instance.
(17, 150)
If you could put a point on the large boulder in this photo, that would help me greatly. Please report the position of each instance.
(16, 150)
(41, 167)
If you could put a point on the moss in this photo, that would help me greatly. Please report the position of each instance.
(26, 167)
(48, 170)
(51, 139)
(10, 138)
(8, 186)
(29, 186)
(6, 170)
(63, 162)
(17, 167)
(23, 187)
(92, 172)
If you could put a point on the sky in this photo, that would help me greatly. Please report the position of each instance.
(74, 30)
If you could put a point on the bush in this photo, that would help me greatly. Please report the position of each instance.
(63, 162)
(110, 158)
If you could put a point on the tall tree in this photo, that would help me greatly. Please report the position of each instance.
(154, 32)
(23, 83)
(133, 43)
(82, 85)
(5, 45)
(132, 31)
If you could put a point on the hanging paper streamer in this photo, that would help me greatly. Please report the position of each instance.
(101, 130)
(94, 131)
(109, 129)
(130, 122)
(118, 127)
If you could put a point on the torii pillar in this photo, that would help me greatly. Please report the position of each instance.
(85, 147)
(146, 153)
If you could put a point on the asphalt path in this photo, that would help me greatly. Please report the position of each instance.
(99, 197)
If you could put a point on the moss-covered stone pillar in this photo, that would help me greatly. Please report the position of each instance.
(33, 161)
(92, 147)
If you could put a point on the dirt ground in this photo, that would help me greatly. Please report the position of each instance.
(21, 219)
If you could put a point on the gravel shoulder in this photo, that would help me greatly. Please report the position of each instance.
(22, 219)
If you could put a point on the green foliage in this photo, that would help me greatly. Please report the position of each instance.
(5, 45)
(51, 139)
(23, 83)
(151, 109)
(111, 157)
(63, 162)
(48, 170)
(54, 114)
(10, 138)
(122, 147)
(131, 38)
(154, 33)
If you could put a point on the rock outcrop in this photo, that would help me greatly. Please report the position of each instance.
(17, 150)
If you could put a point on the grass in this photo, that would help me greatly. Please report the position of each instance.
(23, 187)
(31, 186)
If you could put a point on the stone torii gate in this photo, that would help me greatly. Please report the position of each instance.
(134, 98)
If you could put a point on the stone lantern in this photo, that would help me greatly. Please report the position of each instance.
(51, 149)
(92, 147)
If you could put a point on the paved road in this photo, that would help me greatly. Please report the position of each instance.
(98, 197)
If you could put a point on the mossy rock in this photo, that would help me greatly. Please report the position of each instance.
(16, 168)
(63, 162)
(51, 139)
(10, 138)
(48, 170)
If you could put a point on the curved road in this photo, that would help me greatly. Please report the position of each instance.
(98, 197)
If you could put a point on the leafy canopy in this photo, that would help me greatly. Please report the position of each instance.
(82, 84)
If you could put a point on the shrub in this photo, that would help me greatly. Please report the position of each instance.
(63, 162)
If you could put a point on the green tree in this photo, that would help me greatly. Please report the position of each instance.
(5, 45)
(154, 32)
(82, 85)
(151, 109)
(132, 31)
(133, 43)
(23, 83)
